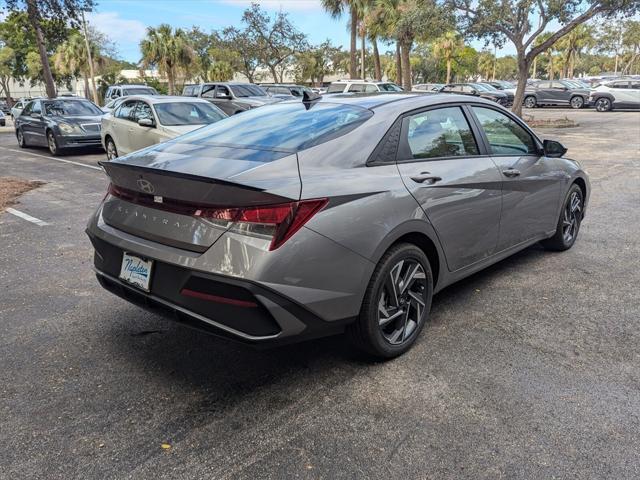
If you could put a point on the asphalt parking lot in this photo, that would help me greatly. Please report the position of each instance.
(528, 370)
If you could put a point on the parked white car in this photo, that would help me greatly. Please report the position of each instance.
(344, 86)
(17, 108)
(619, 93)
(143, 120)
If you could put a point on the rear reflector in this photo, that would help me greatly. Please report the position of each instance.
(215, 298)
(277, 222)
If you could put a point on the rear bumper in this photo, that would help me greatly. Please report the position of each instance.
(233, 308)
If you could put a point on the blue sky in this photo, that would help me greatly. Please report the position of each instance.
(124, 21)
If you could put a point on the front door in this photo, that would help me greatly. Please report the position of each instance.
(531, 182)
(122, 122)
(458, 188)
(141, 136)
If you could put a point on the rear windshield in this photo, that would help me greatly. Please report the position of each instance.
(247, 91)
(71, 108)
(286, 126)
(140, 91)
(187, 113)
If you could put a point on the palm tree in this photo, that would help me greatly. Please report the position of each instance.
(447, 48)
(71, 58)
(572, 46)
(336, 8)
(168, 50)
(486, 64)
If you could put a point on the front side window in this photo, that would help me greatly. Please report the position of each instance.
(247, 90)
(125, 111)
(620, 85)
(288, 126)
(370, 88)
(356, 87)
(143, 111)
(187, 113)
(543, 85)
(222, 91)
(635, 84)
(506, 136)
(27, 109)
(208, 91)
(336, 88)
(443, 132)
(389, 87)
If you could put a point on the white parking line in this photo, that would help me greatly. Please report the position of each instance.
(28, 218)
(52, 158)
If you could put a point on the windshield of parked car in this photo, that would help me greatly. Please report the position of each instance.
(71, 108)
(287, 126)
(482, 87)
(389, 87)
(187, 113)
(139, 91)
(247, 91)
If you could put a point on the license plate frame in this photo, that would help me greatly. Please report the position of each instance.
(136, 271)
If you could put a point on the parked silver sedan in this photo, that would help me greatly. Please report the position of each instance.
(144, 120)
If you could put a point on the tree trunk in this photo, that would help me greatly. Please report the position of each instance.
(362, 57)
(616, 68)
(448, 70)
(376, 60)
(398, 65)
(523, 74)
(535, 67)
(170, 81)
(274, 74)
(34, 19)
(353, 71)
(405, 50)
(86, 83)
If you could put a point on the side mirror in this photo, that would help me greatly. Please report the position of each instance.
(474, 92)
(553, 149)
(146, 122)
(222, 96)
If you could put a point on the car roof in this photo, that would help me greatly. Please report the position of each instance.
(165, 98)
(378, 99)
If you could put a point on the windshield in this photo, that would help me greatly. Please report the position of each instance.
(140, 91)
(389, 87)
(187, 113)
(482, 87)
(288, 126)
(489, 87)
(71, 108)
(247, 91)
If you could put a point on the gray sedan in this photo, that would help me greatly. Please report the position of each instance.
(340, 213)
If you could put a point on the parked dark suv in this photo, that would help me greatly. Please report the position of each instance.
(556, 92)
(231, 98)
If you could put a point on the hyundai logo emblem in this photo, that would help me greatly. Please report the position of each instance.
(145, 185)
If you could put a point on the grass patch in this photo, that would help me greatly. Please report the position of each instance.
(11, 188)
(550, 123)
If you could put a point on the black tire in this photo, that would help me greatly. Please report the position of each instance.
(112, 151)
(530, 101)
(405, 320)
(603, 104)
(52, 143)
(570, 219)
(576, 102)
(22, 142)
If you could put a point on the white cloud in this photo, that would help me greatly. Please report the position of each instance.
(116, 28)
(284, 5)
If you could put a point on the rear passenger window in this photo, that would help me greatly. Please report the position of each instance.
(620, 85)
(336, 88)
(442, 132)
(356, 87)
(505, 136)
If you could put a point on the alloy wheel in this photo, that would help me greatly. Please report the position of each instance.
(530, 102)
(20, 138)
(577, 102)
(401, 306)
(571, 217)
(603, 105)
(111, 150)
(53, 148)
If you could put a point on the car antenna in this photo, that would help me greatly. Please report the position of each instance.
(308, 98)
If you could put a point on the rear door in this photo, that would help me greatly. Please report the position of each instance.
(458, 187)
(531, 183)
(560, 93)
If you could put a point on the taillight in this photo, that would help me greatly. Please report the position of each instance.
(278, 222)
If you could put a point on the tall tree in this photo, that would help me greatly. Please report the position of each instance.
(168, 50)
(510, 20)
(572, 45)
(238, 50)
(336, 9)
(68, 11)
(276, 39)
(448, 47)
(71, 58)
(7, 61)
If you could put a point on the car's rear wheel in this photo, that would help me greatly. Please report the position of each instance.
(396, 304)
(603, 104)
(22, 142)
(112, 151)
(577, 102)
(52, 143)
(530, 102)
(569, 221)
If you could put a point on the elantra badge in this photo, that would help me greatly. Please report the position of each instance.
(145, 185)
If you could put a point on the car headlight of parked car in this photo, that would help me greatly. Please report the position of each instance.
(67, 129)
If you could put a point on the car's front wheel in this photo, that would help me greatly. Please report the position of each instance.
(396, 304)
(603, 104)
(52, 143)
(112, 151)
(22, 142)
(577, 102)
(530, 102)
(569, 221)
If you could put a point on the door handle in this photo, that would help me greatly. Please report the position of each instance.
(426, 177)
(511, 172)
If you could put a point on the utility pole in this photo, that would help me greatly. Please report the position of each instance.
(94, 91)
